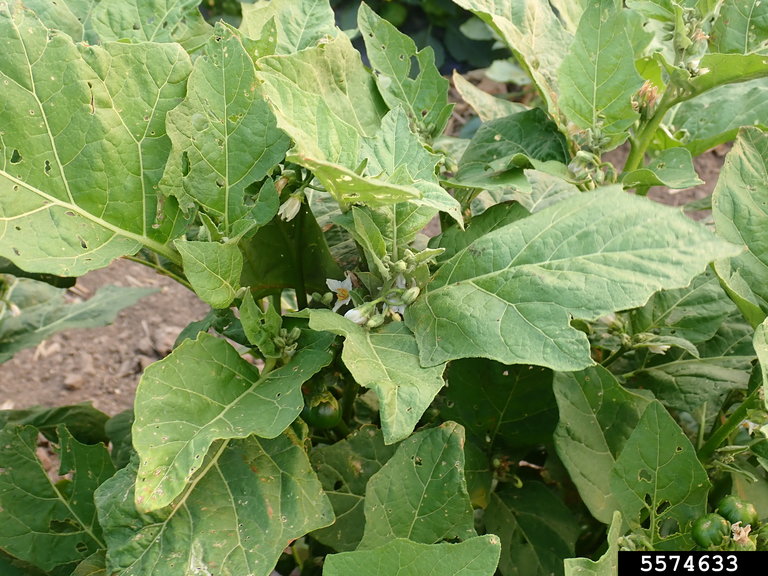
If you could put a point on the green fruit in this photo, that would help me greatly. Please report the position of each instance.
(710, 530)
(321, 411)
(734, 510)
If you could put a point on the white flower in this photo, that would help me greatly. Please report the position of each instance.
(658, 348)
(342, 290)
(290, 208)
(356, 316)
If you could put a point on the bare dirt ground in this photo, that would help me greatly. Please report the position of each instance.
(103, 365)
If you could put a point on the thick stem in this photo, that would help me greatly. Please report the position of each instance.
(639, 145)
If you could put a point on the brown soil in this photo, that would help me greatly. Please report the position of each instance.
(102, 365)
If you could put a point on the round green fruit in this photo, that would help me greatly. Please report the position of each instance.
(322, 411)
(710, 530)
(734, 510)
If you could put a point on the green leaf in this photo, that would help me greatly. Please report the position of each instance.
(715, 117)
(224, 135)
(678, 384)
(547, 188)
(202, 392)
(49, 524)
(118, 431)
(672, 168)
(658, 480)
(386, 361)
(250, 500)
(400, 557)
(501, 406)
(598, 77)
(738, 208)
(94, 565)
(486, 106)
(507, 145)
(535, 35)
(420, 493)
(64, 106)
(405, 76)
(344, 469)
(597, 416)
(608, 564)
(570, 12)
(537, 531)
(454, 240)
(213, 269)
(695, 312)
(72, 17)
(528, 279)
(84, 423)
(741, 28)
(761, 348)
(44, 311)
(728, 68)
(140, 21)
(283, 255)
(300, 24)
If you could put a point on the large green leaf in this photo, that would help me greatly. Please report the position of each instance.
(344, 469)
(739, 210)
(501, 406)
(535, 35)
(406, 76)
(84, 146)
(598, 77)
(486, 106)
(300, 24)
(224, 135)
(386, 360)
(420, 493)
(537, 531)
(658, 481)
(726, 69)
(72, 17)
(202, 392)
(672, 168)
(741, 28)
(511, 294)
(45, 311)
(597, 416)
(400, 557)
(49, 524)
(250, 500)
(94, 565)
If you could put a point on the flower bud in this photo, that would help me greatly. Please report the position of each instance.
(356, 316)
(376, 321)
(410, 295)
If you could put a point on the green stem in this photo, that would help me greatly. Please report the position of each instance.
(732, 423)
(300, 288)
(639, 144)
(161, 270)
(614, 356)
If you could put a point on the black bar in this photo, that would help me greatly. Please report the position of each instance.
(693, 563)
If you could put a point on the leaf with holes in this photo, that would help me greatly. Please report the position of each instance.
(420, 493)
(250, 499)
(84, 147)
(203, 392)
(657, 481)
(44, 523)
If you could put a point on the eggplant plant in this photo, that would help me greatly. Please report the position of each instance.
(564, 370)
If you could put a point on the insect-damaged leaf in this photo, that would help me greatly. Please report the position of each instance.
(84, 146)
(250, 500)
(204, 391)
